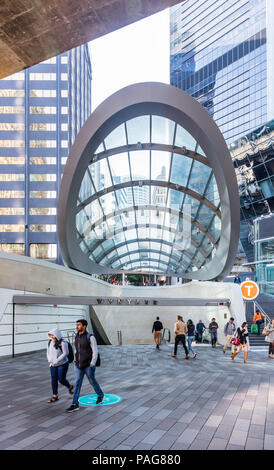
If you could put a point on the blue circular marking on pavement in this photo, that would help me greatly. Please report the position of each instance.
(90, 400)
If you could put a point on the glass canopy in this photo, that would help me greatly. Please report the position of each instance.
(148, 200)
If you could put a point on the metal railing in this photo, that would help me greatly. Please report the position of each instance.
(267, 319)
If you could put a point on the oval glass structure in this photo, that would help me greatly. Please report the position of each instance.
(149, 186)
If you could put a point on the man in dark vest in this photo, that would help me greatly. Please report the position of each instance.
(86, 354)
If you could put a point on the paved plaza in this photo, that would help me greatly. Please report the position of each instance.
(168, 404)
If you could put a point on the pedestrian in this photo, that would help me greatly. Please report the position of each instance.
(242, 334)
(237, 279)
(213, 327)
(269, 337)
(258, 319)
(191, 337)
(180, 330)
(57, 356)
(229, 331)
(86, 354)
(157, 328)
(200, 327)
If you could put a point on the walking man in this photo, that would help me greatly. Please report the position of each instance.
(86, 354)
(213, 326)
(157, 328)
(229, 331)
(180, 330)
(200, 327)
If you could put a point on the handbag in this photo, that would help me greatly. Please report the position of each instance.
(235, 341)
(265, 332)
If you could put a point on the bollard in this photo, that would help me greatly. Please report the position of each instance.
(119, 334)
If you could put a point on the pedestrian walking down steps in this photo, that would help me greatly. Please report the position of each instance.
(156, 329)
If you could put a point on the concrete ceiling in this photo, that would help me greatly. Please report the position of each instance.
(35, 30)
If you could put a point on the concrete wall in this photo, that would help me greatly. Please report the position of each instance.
(135, 322)
(19, 274)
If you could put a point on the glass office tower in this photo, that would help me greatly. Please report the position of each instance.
(41, 111)
(222, 53)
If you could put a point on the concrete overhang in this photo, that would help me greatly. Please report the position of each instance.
(32, 31)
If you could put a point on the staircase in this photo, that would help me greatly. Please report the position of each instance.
(265, 303)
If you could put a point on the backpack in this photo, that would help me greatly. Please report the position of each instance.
(70, 355)
(254, 328)
(98, 362)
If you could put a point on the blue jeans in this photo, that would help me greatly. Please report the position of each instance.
(58, 374)
(78, 376)
(189, 341)
(213, 337)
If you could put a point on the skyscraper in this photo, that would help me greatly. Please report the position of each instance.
(41, 111)
(222, 54)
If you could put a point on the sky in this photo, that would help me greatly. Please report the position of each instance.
(137, 53)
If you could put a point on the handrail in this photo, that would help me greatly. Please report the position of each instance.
(267, 317)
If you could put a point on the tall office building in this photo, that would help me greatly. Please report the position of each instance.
(41, 111)
(222, 53)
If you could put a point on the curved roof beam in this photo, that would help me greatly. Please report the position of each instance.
(163, 209)
(142, 240)
(150, 146)
(132, 227)
(134, 252)
(151, 207)
(164, 184)
(146, 267)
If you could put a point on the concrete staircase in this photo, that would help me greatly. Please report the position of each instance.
(266, 302)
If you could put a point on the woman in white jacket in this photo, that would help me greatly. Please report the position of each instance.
(57, 355)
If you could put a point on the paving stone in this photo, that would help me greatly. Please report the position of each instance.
(217, 444)
(170, 410)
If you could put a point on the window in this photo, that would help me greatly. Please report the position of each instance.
(64, 144)
(36, 126)
(64, 110)
(12, 228)
(43, 228)
(42, 93)
(64, 93)
(64, 126)
(43, 250)
(42, 109)
(42, 143)
(12, 93)
(12, 143)
(42, 177)
(11, 194)
(16, 248)
(42, 160)
(42, 194)
(12, 109)
(16, 76)
(12, 160)
(64, 59)
(42, 76)
(12, 210)
(12, 177)
(64, 76)
(12, 126)
(42, 211)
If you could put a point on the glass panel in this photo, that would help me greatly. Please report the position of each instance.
(184, 139)
(141, 195)
(119, 168)
(116, 138)
(162, 130)
(160, 165)
(139, 162)
(138, 130)
(180, 169)
(199, 177)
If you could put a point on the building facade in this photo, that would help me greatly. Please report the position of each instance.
(222, 54)
(41, 111)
